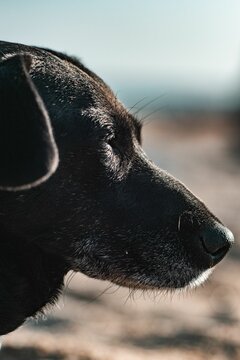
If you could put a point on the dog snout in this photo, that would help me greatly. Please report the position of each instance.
(215, 240)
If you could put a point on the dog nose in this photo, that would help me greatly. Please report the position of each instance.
(216, 241)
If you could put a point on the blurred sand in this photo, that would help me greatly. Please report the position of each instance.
(204, 324)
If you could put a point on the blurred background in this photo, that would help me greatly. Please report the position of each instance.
(177, 65)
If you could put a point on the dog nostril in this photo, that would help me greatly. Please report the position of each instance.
(216, 241)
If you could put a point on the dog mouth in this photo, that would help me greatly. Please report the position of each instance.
(199, 280)
(150, 284)
(144, 272)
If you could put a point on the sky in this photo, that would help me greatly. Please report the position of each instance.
(146, 44)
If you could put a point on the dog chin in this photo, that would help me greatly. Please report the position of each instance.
(198, 280)
(142, 285)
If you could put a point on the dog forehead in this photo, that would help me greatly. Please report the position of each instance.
(75, 92)
(106, 103)
(70, 90)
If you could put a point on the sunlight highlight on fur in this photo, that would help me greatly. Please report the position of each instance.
(199, 279)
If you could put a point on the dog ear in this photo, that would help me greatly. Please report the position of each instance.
(28, 153)
(30, 279)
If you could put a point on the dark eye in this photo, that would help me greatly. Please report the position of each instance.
(113, 143)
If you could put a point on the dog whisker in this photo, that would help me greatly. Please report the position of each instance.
(150, 114)
(130, 295)
(138, 102)
(106, 291)
(179, 222)
(148, 103)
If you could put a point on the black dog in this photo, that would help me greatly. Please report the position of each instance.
(108, 211)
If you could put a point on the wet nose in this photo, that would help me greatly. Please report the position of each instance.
(216, 241)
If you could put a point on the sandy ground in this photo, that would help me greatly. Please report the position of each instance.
(204, 324)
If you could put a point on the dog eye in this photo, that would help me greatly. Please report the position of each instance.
(113, 143)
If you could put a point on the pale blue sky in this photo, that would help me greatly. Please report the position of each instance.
(132, 43)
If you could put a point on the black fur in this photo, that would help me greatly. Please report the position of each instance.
(108, 211)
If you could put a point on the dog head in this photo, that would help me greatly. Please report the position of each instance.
(108, 211)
